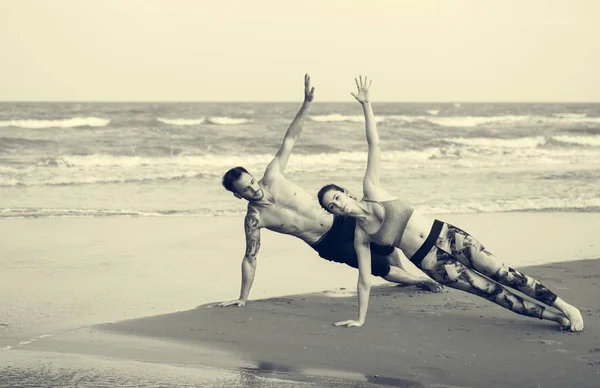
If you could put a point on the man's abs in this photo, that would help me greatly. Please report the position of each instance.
(308, 225)
(293, 211)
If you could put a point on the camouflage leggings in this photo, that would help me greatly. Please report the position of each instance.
(458, 260)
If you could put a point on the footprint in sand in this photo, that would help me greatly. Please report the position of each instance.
(545, 341)
(592, 357)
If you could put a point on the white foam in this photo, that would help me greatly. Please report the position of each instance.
(522, 204)
(581, 140)
(336, 117)
(487, 142)
(466, 121)
(58, 123)
(27, 342)
(570, 115)
(181, 122)
(218, 120)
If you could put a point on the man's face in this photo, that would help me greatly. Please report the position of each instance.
(248, 188)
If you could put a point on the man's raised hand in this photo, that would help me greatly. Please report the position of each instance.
(309, 93)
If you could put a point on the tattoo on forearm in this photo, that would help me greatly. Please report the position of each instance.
(252, 246)
(252, 235)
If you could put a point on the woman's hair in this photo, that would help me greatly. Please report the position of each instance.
(325, 189)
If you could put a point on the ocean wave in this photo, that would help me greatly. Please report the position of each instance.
(593, 141)
(507, 120)
(570, 115)
(445, 121)
(17, 142)
(104, 160)
(524, 142)
(488, 142)
(101, 169)
(224, 120)
(24, 212)
(181, 122)
(215, 120)
(73, 122)
(591, 205)
(466, 121)
(462, 152)
(333, 118)
(98, 177)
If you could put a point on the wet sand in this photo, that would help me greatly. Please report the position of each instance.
(411, 338)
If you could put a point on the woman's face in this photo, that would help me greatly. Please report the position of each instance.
(338, 202)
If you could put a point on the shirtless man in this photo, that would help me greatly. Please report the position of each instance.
(277, 204)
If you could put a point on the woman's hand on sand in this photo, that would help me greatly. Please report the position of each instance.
(362, 86)
(349, 323)
(237, 302)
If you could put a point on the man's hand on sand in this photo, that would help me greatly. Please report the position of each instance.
(309, 93)
(431, 285)
(349, 323)
(237, 302)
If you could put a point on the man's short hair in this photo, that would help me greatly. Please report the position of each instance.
(231, 176)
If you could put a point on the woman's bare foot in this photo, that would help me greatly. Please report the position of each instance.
(558, 317)
(564, 323)
(575, 317)
(572, 313)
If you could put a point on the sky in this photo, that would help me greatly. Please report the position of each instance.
(259, 50)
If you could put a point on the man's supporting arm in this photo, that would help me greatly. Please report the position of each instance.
(249, 262)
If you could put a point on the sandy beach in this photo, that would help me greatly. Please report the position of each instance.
(130, 302)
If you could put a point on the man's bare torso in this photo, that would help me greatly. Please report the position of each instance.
(287, 208)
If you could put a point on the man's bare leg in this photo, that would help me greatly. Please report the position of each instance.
(399, 273)
(400, 276)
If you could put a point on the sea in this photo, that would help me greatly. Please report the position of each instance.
(143, 159)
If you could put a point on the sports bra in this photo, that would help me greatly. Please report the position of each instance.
(397, 214)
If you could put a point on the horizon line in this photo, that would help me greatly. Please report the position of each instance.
(296, 101)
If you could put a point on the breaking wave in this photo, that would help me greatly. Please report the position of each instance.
(57, 123)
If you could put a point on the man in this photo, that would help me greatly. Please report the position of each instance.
(277, 204)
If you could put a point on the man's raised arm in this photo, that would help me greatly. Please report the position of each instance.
(249, 262)
(280, 160)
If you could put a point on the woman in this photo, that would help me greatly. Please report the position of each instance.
(444, 252)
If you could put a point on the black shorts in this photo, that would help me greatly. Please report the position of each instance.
(338, 245)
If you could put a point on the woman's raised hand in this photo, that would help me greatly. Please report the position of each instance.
(362, 86)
